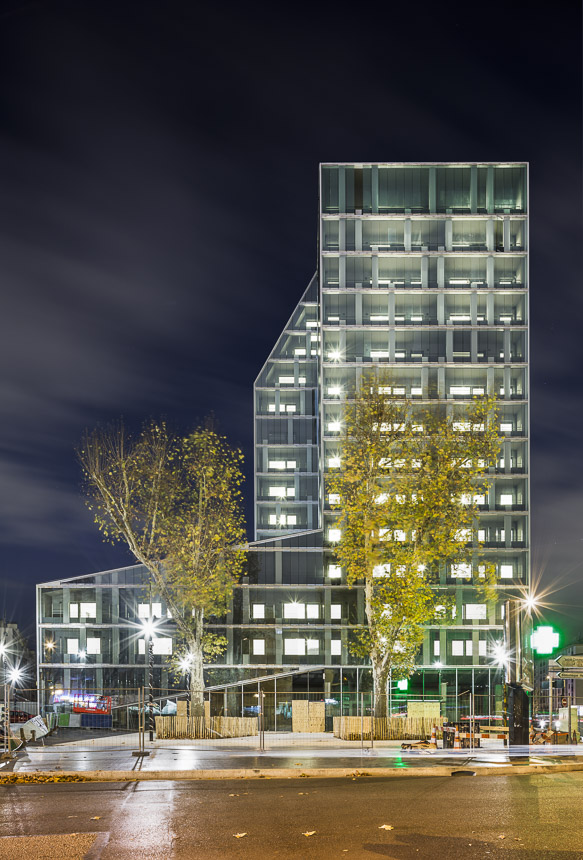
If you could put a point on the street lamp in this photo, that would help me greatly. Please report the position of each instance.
(149, 626)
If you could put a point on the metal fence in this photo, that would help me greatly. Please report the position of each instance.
(249, 717)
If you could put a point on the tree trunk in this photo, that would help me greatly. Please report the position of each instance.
(380, 676)
(196, 667)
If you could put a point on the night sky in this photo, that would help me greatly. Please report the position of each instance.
(158, 188)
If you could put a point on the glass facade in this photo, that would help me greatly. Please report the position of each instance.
(423, 269)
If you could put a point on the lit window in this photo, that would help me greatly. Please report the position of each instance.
(294, 647)
(464, 535)
(313, 646)
(294, 610)
(313, 610)
(334, 426)
(506, 571)
(436, 648)
(334, 498)
(477, 390)
(292, 520)
(73, 610)
(506, 428)
(290, 408)
(416, 392)
(336, 610)
(162, 645)
(334, 390)
(279, 492)
(460, 390)
(334, 462)
(271, 407)
(506, 499)
(277, 464)
(334, 535)
(290, 492)
(381, 570)
(461, 570)
(476, 611)
(334, 571)
(259, 647)
(482, 649)
(93, 645)
(290, 464)
(258, 610)
(469, 648)
(457, 648)
(299, 351)
(336, 647)
(400, 535)
(72, 646)
(272, 519)
(144, 610)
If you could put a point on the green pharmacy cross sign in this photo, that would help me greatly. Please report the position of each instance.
(544, 640)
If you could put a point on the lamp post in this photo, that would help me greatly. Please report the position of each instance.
(149, 627)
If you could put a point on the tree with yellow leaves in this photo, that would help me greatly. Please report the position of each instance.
(407, 492)
(176, 502)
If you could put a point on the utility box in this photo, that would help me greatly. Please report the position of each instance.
(518, 715)
(566, 725)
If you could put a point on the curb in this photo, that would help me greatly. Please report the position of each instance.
(312, 773)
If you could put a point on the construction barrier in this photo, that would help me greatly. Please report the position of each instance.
(172, 728)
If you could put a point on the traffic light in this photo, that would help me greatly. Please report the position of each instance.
(564, 702)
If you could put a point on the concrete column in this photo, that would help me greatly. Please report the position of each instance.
(432, 189)
(342, 235)
(440, 272)
(375, 188)
(490, 234)
(342, 189)
(440, 309)
(425, 382)
(490, 189)
(490, 381)
(407, 234)
(507, 356)
(391, 344)
(490, 308)
(358, 235)
(474, 188)
(424, 272)
(448, 345)
(278, 568)
(375, 271)
(474, 346)
(358, 308)
(441, 383)
(391, 308)
(448, 234)
(506, 233)
(490, 272)
(474, 308)
(342, 271)
(507, 394)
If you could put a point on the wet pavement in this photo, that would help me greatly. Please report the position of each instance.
(499, 818)
(185, 757)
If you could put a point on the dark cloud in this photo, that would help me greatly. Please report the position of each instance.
(158, 167)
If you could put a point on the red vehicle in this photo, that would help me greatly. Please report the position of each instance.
(92, 704)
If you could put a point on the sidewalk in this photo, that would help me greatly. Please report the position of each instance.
(180, 760)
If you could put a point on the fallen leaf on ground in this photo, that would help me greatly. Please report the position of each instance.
(71, 816)
(309, 833)
(386, 827)
(95, 817)
(233, 795)
(239, 835)
(501, 836)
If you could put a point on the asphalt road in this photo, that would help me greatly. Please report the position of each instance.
(531, 817)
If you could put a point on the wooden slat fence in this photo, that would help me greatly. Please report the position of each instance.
(173, 728)
(385, 729)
